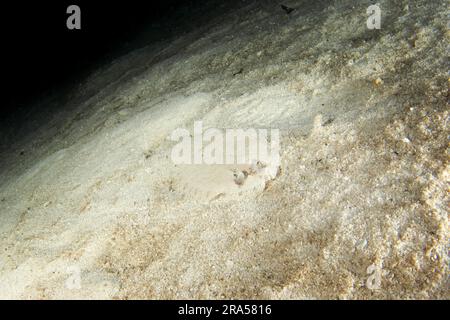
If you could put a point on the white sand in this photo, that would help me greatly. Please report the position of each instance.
(364, 175)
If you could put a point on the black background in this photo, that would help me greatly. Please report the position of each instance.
(40, 53)
(280, 309)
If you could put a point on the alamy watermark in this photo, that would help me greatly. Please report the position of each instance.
(73, 282)
(374, 20)
(225, 146)
(375, 273)
(74, 20)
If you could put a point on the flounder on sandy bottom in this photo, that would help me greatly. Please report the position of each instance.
(210, 182)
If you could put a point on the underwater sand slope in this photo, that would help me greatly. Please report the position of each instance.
(95, 208)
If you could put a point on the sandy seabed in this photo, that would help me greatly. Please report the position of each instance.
(92, 207)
